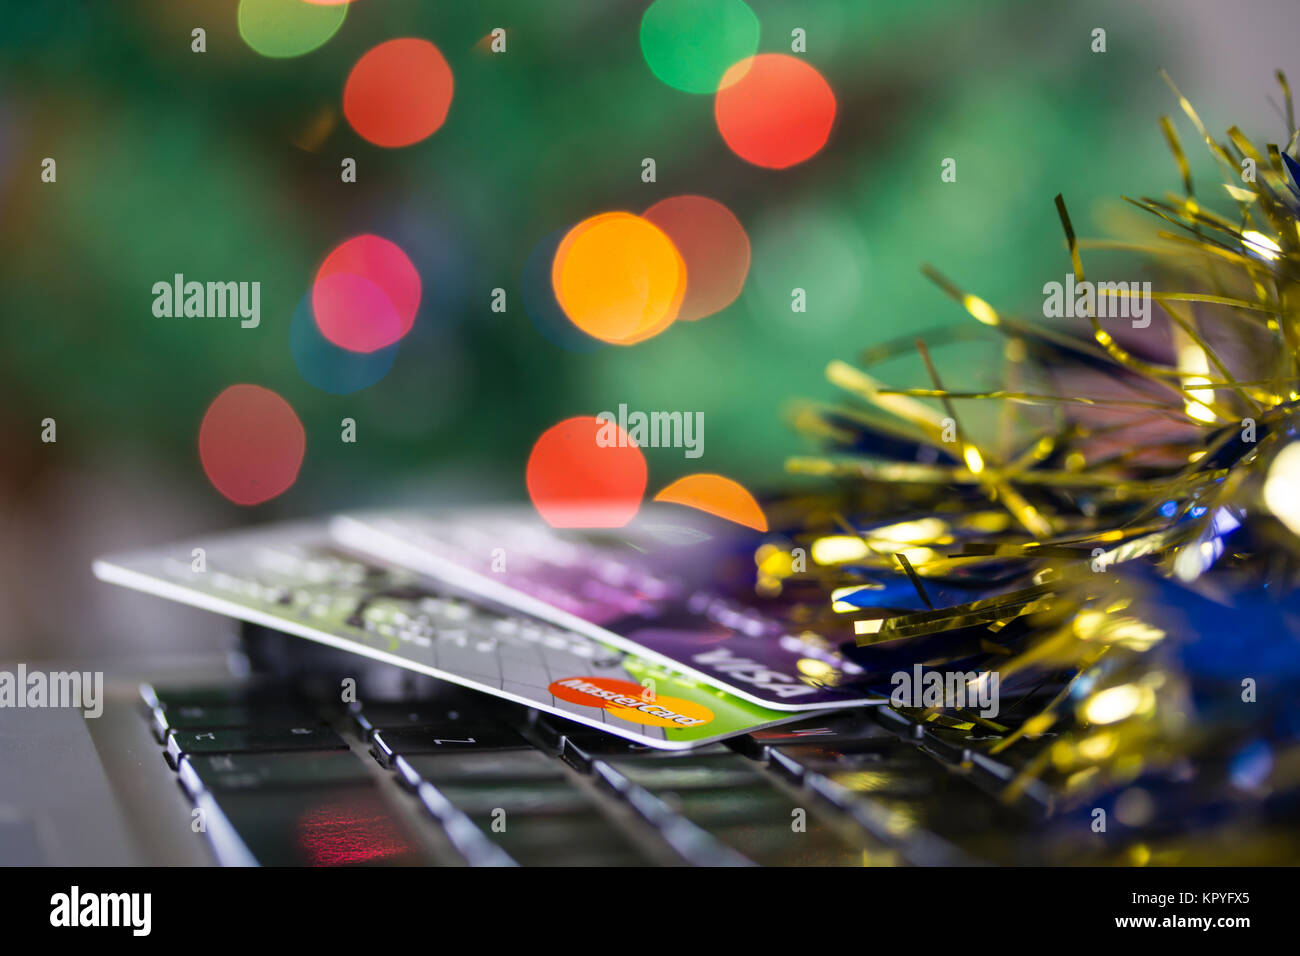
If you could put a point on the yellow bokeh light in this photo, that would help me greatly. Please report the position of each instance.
(1280, 487)
(839, 548)
(773, 562)
(1195, 365)
(818, 670)
(1098, 746)
(1114, 704)
(980, 309)
(921, 531)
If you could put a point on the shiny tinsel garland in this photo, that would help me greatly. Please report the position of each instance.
(1125, 556)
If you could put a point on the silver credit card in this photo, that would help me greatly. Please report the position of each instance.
(294, 578)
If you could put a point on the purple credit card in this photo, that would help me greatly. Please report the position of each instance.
(661, 587)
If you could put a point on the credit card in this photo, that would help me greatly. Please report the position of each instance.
(666, 587)
(294, 578)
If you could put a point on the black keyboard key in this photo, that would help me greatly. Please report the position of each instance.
(796, 760)
(183, 742)
(216, 695)
(948, 745)
(909, 801)
(387, 745)
(226, 716)
(506, 799)
(764, 825)
(569, 840)
(781, 844)
(530, 822)
(894, 781)
(681, 772)
(897, 723)
(834, 728)
(519, 766)
(579, 744)
(728, 798)
(547, 731)
(712, 807)
(718, 808)
(389, 715)
(350, 826)
(221, 772)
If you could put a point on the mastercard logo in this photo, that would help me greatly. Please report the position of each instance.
(632, 702)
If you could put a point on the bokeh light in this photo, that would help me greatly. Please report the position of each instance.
(718, 496)
(689, 44)
(774, 110)
(399, 92)
(576, 480)
(366, 294)
(540, 305)
(1282, 485)
(714, 246)
(325, 365)
(251, 444)
(619, 278)
(288, 28)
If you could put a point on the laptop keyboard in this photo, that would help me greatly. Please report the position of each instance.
(280, 778)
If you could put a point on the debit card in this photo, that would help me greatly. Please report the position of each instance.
(293, 578)
(668, 587)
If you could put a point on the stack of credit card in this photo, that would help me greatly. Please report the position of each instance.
(634, 630)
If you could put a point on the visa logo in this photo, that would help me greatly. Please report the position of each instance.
(751, 672)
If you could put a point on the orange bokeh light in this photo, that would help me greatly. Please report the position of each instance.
(718, 496)
(619, 278)
(774, 110)
(575, 481)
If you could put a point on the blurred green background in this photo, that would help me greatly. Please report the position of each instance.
(225, 166)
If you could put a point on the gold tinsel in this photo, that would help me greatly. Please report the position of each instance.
(1133, 457)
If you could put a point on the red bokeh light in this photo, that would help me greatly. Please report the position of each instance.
(251, 444)
(575, 481)
(774, 110)
(366, 294)
(399, 92)
(714, 246)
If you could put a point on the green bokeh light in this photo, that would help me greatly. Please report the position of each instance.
(286, 28)
(689, 44)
